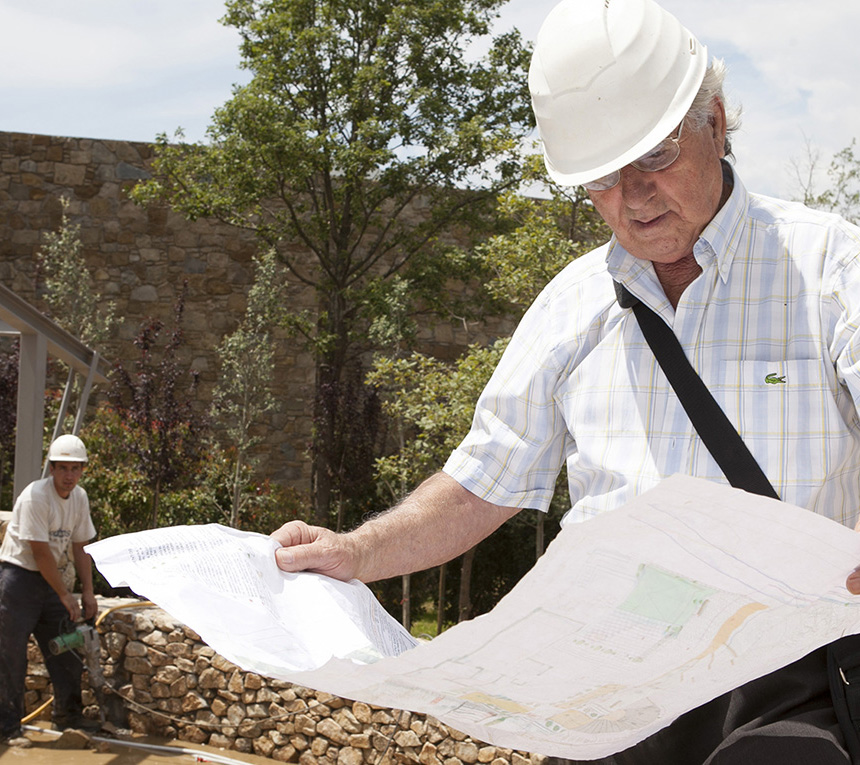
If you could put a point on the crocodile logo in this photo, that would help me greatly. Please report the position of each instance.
(774, 379)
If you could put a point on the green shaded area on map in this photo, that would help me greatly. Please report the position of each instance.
(665, 597)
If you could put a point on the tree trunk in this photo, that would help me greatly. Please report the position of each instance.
(237, 492)
(327, 403)
(440, 607)
(406, 602)
(539, 534)
(156, 498)
(322, 473)
(465, 607)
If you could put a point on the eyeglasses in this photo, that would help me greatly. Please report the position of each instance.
(659, 158)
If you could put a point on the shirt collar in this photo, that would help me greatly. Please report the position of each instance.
(722, 235)
(717, 243)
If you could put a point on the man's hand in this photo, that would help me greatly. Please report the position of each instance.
(89, 606)
(853, 581)
(68, 600)
(315, 549)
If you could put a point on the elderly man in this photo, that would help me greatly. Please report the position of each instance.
(42, 550)
(764, 297)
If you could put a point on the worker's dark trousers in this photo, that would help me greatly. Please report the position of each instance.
(784, 718)
(28, 605)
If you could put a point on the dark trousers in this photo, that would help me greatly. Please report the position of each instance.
(28, 605)
(784, 718)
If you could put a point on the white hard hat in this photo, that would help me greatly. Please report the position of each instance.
(609, 80)
(67, 448)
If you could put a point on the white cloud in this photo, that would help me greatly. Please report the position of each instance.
(94, 44)
(794, 69)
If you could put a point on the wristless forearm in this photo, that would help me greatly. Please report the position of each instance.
(437, 522)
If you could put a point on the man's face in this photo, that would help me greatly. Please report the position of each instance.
(66, 476)
(659, 216)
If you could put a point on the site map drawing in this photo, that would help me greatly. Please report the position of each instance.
(626, 622)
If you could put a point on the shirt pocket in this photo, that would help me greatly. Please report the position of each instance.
(787, 415)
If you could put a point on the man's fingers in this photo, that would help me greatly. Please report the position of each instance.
(295, 533)
(297, 558)
(853, 582)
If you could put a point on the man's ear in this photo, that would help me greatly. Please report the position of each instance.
(717, 121)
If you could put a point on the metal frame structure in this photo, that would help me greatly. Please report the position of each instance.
(41, 337)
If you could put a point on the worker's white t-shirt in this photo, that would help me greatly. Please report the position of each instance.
(42, 515)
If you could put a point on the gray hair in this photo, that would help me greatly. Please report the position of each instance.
(700, 112)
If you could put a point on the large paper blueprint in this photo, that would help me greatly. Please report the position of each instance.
(626, 622)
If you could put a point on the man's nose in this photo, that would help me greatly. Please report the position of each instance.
(637, 187)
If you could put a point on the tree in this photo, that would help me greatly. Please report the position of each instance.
(243, 394)
(72, 300)
(368, 129)
(842, 195)
(167, 434)
(433, 401)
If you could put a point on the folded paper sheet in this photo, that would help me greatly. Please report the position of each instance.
(626, 622)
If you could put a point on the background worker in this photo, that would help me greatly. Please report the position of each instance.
(755, 289)
(42, 550)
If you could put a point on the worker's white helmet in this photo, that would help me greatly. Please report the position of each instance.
(67, 448)
(609, 80)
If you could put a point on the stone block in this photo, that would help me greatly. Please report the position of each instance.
(159, 691)
(407, 738)
(362, 712)
(212, 678)
(306, 725)
(138, 666)
(427, 755)
(257, 711)
(220, 740)
(360, 740)
(167, 675)
(347, 720)
(283, 754)
(466, 751)
(158, 658)
(179, 687)
(332, 731)
(250, 729)
(319, 746)
(350, 756)
(194, 734)
(263, 746)
(235, 714)
(235, 684)
(306, 758)
(69, 175)
(178, 649)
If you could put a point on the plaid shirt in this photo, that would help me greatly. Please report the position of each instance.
(772, 325)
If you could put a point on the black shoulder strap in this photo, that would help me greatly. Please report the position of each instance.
(715, 429)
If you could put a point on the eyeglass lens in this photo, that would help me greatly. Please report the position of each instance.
(659, 158)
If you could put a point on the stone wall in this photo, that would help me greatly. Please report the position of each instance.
(140, 259)
(173, 685)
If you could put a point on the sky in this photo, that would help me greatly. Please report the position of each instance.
(131, 69)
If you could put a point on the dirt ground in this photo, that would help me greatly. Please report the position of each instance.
(76, 748)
